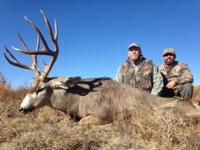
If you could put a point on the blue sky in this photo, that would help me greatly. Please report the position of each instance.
(94, 34)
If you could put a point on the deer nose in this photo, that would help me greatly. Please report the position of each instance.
(21, 109)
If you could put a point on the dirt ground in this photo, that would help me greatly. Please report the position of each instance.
(48, 129)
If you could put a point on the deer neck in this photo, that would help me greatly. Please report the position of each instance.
(63, 101)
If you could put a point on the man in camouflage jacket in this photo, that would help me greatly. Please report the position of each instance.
(176, 75)
(139, 72)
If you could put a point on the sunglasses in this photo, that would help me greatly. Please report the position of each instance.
(168, 54)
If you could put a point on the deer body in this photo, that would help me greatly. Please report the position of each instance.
(99, 97)
(103, 99)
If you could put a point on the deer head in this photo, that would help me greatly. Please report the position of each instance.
(40, 88)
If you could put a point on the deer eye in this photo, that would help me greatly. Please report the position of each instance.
(37, 91)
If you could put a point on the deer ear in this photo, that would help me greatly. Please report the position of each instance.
(72, 81)
(64, 82)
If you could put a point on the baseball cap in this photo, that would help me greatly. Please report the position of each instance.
(169, 51)
(134, 45)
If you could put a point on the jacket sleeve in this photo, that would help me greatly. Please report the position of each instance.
(157, 81)
(185, 75)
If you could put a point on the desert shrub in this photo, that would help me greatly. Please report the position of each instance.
(8, 94)
(3, 80)
(4, 87)
(196, 93)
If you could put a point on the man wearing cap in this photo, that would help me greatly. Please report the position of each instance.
(139, 72)
(176, 76)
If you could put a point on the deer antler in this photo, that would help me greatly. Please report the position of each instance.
(44, 51)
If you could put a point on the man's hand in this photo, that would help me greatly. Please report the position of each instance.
(171, 84)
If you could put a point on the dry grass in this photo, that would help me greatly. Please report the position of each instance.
(196, 93)
(50, 129)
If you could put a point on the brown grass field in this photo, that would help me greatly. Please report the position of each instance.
(48, 129)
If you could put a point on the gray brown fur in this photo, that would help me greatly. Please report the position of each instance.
(104, 99)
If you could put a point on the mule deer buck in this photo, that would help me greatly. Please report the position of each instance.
(97, 98)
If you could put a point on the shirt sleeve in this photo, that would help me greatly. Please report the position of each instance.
(157, 81)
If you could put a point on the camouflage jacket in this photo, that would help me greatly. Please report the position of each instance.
(144, 75)
(178, 72)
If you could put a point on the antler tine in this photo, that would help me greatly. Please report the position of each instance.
(21, 41)
(18, 64)
(34, 66)
(56, 30)
(34, 57)
(46, 50)
(38, 32)
(54, 38)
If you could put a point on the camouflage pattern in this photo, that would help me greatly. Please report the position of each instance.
(144, 75)
(178, 72)
(168, 51)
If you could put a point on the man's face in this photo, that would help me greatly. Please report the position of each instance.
(169, 58)
(134, 53)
